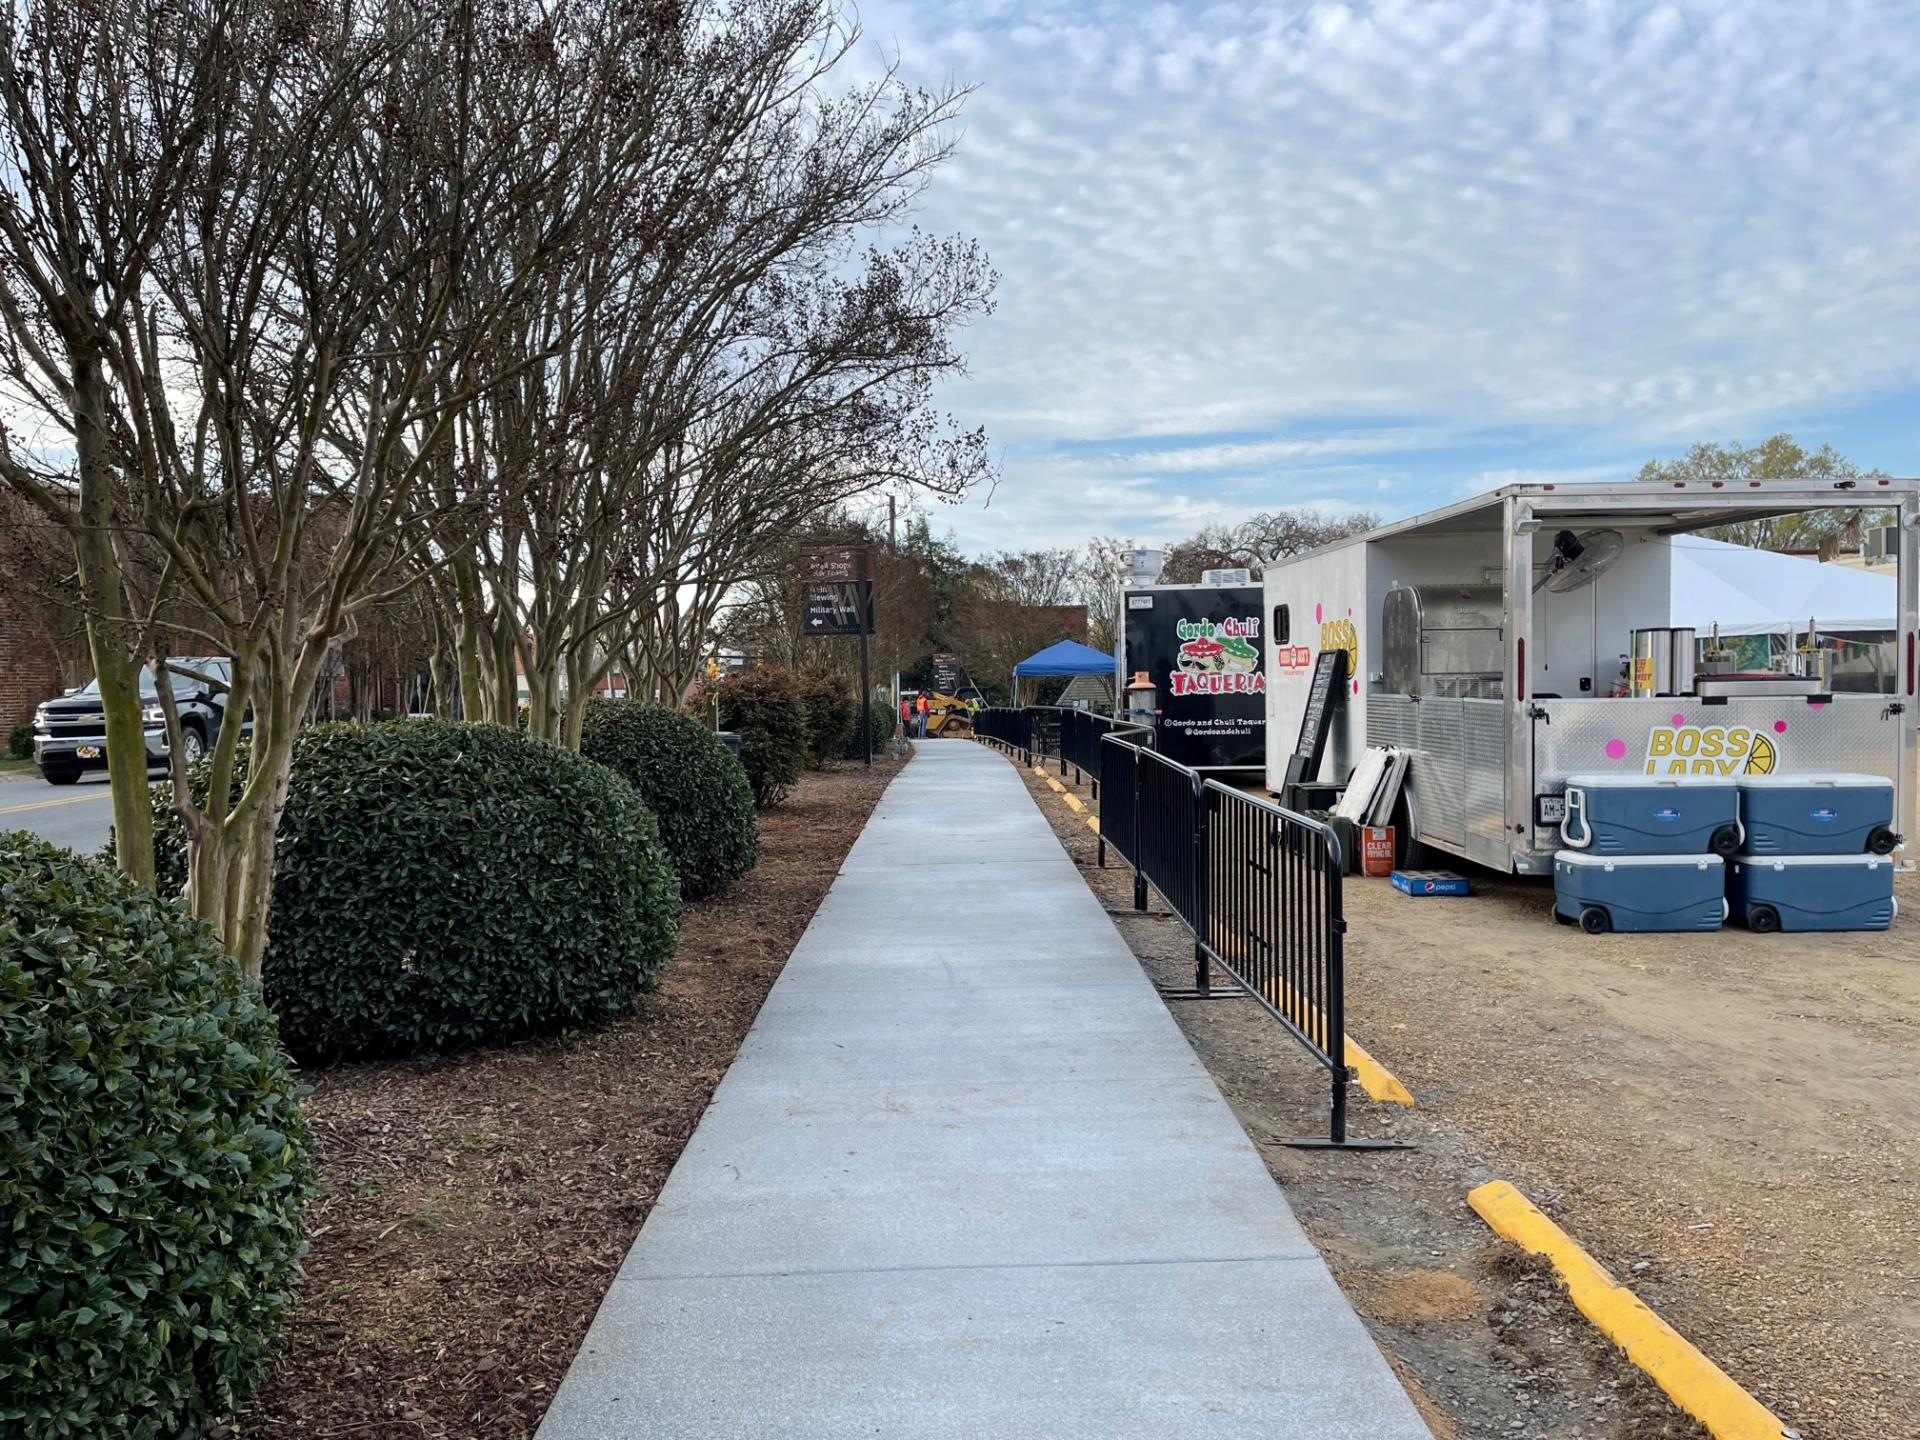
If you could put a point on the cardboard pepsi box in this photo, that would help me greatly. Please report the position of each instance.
(1418, 883)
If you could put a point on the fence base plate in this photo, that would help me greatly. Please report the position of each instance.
(1168, 992)
(1320, 1142)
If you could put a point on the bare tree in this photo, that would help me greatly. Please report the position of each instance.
(103, 111)
(1271, 535)
(1103, 570)
(300, 334)
(745, 369)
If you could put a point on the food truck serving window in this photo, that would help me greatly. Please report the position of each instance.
(1282, 626)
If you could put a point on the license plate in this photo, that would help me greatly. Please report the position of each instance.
(1549, 809)
(88, 752)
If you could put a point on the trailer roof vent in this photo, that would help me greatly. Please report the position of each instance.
(1242, 576)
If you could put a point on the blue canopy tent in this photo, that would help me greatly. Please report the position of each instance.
(1068, 657)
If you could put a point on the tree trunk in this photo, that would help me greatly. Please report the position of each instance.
(114, 667)
(231, 857)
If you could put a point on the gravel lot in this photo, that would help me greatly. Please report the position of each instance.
(1726, 1121)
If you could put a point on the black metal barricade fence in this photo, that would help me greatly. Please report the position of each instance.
(1003, 724)
(1257, 885)
(1081, 732)
(1068, 736)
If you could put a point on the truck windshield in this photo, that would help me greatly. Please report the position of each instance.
(182, 684)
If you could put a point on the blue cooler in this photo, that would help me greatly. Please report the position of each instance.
(1812, 892)
(1652, 815)
(1639, 892)
(1817, 814)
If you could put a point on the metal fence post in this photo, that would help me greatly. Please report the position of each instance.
(1202, 970)
(1336, 995)
(1139, 814)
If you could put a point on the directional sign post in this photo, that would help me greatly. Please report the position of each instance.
(839, 601)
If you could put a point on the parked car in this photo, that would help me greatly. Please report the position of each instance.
(70, 734)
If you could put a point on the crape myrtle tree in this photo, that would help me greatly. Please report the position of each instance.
(754, 359)
(103, 110)
(269, 349)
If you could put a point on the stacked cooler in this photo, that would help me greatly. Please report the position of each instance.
(1818, 853)
(1646, 852)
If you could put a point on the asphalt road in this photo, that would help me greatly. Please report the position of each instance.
(76, 816)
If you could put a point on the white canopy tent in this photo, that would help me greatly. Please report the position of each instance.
(1762, 592)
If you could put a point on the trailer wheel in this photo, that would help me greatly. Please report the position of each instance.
(1882, 841)
(1595, 921)
(1725, 841)
(1763, 920)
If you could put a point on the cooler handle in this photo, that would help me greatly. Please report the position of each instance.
(1576, 811)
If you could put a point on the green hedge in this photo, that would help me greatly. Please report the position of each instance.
(833, 718)
(691, 782)
(442, 884)
(153, 1160)
(885, 720)
(763, 707)
(20, 742)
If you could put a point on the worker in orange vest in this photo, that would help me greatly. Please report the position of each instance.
(906, 717)
(923, 707)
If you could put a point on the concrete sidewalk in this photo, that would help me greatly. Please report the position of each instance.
(966, 1179)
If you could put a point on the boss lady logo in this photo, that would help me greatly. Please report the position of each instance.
(1711, 750)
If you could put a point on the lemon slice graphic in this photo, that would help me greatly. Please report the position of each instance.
(1761, 756)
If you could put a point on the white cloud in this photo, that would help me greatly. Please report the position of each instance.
(1652, 223)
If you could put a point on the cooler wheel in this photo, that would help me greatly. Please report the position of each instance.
(1763, 919)
(1595, 921)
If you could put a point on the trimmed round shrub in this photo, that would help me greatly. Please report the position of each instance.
(442, 884)
(696, 789)
(20, 742)
(833, 718)
(763, 707)
(153, 1160)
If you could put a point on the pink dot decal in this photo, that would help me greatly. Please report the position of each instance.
(1356, 687)
(1779, 727)
(1318, 615)
(1679, 720)
(1616, 749)
(1349, 612)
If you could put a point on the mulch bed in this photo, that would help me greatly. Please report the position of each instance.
(474, 1209)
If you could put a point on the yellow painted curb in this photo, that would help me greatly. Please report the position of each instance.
(1693, 1382)
(1073, 802)
(1093, 823)
(1379, 1082)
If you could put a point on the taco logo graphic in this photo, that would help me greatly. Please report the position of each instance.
(1218, 657)
(1711, 750)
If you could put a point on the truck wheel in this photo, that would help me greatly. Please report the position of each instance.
(60, 777)
(1725, 841)
(192, 743)
(1763, 920)
(1595, 921)
(1882, 841)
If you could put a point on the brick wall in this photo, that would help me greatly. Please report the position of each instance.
(29, 666)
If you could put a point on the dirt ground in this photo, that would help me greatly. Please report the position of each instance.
(1728, 1122)
(474, 1210)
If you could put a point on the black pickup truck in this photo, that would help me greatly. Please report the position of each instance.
(70, 734)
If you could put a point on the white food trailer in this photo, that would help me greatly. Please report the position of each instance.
(1523, 636)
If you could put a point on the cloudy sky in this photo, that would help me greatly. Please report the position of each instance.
(1377, 256)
